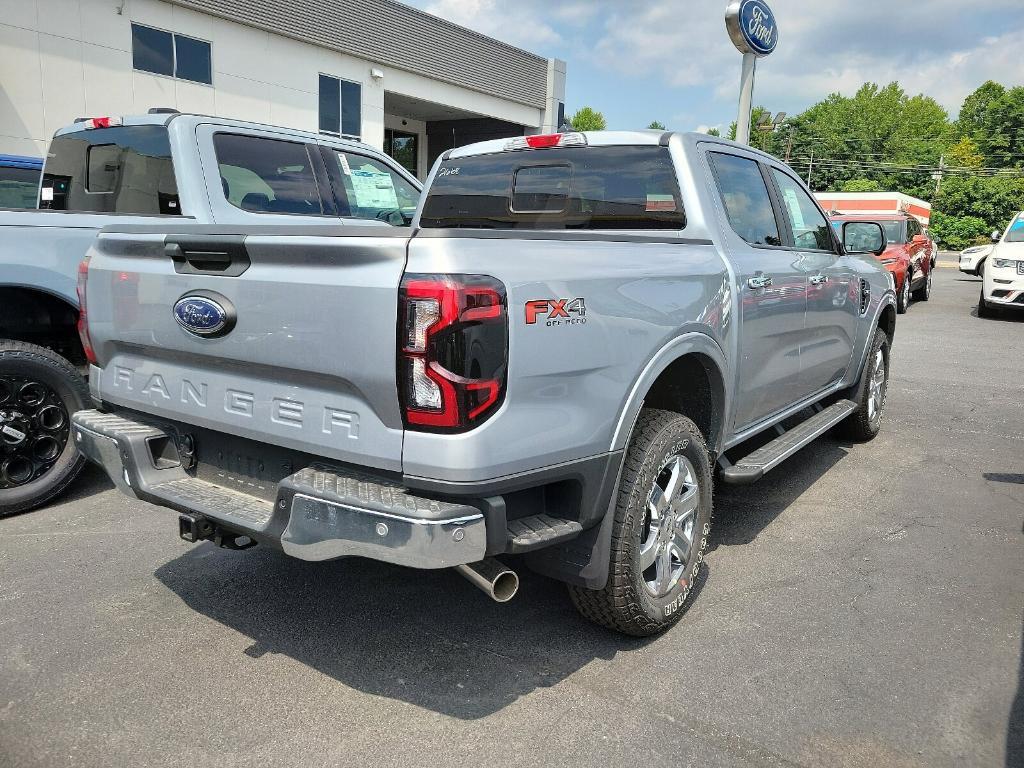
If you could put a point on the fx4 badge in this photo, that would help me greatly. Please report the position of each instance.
(556, 311)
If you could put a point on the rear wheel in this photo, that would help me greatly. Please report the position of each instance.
(39, 390)
(869, 395)
(660, 530)
(903, 299)
(925, 291)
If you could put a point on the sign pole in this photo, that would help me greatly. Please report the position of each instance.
(752, 29)
(746, 98)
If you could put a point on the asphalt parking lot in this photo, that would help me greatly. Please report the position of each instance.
(861, 607)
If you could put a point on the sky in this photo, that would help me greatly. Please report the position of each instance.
(672, 60)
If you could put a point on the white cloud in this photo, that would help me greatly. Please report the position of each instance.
(498, 20)
(836, 49)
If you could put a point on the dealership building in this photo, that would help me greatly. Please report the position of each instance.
(399, 79)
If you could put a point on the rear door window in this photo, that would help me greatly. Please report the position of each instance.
(584, 188)
(264, 175)
(745, 196)
(124, 169)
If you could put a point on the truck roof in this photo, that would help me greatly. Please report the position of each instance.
(195, 118)
(612, 138)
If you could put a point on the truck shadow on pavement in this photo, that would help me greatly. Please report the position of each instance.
(428, 637)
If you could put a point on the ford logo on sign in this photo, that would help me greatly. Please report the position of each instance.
(752, 26)
(204, 314)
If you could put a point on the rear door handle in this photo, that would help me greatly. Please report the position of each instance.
(819, 279)
(759, 281)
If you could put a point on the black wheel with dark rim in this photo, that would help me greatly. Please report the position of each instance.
(34, 429)
(39, 390)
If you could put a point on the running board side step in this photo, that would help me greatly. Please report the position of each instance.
(752, 468)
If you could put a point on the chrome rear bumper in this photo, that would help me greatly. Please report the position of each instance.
(320, 512)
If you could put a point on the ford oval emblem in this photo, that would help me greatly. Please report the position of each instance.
(752, 26)
(204, 315)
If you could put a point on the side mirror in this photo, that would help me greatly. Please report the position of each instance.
(920, 239)
(863, 237)
(996, 234)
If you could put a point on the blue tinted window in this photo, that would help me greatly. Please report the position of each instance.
(340, 106)
(152, 50)
(330, 104)
(351, 108)
(192, 59)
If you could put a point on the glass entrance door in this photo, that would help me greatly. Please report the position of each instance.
(404, 148)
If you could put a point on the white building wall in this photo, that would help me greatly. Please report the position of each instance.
(62, 59)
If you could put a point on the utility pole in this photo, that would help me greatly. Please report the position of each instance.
(938, 175)
(789, 145)
(810, 167)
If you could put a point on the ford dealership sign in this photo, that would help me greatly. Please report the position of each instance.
(752, 26)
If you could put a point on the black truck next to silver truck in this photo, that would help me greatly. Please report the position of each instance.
(161, 167)
(576, 331)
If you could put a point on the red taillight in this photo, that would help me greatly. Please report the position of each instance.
(83, 315)
(547, 140)
(102, 122)
(543, 141)
(453, 346)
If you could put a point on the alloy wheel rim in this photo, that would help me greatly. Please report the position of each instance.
(906, 290)
(876, 387)
(34, 429)
(670, 525)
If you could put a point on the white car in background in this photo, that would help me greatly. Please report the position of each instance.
(1002, 284)
(972, 260)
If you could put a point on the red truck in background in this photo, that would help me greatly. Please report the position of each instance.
(909, 254)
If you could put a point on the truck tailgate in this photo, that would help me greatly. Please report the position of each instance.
(307, 359)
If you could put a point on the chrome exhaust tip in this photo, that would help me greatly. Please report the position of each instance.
(492, 578)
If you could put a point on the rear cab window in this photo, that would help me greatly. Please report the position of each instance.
(573, 188)
(123, 169)
(263, 175)
(748, 205)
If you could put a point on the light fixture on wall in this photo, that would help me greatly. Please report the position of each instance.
(376, 73)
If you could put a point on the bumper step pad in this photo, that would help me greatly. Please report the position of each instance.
(752, 468)
(536, 531)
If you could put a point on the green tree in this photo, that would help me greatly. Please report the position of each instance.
(588, 119)
(656, 126)
(972, 113)
(876, 134)
(714, 132)
(992, 199)
(860, 185)
(958, 232)
(965, 154)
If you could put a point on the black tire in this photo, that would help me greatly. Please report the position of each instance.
(985, 309)
(864, 423)
(627, 603)
(66, 389)
(903, 297)
(925, 291)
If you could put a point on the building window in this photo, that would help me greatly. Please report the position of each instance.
(165, 53)
(403, 148)
(340, 107)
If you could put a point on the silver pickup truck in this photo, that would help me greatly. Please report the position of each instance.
(577, 330)
(162, 167)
